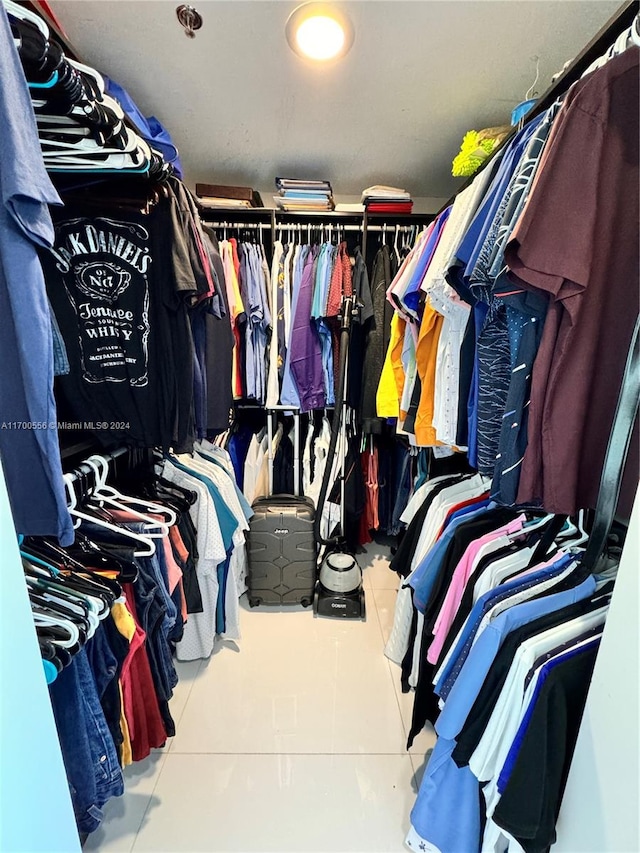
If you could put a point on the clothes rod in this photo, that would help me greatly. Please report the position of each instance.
(108, 457)
(299, 226)
(257, 226)
(293, 409)
(337, 228)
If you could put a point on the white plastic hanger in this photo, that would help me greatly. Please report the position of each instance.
(150, 547)
(59, 622)
(108, 494)
(147, 505)
(629, 37)
(530, 527)
(26, 15)
(566, 536)
(90, 615)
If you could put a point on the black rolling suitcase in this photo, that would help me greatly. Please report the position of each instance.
(280, 543)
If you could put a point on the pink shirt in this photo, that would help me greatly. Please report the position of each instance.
(174, 571)
(461, 575)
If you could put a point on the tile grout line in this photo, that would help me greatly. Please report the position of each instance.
(186, 702)
(375, 604)
(388, 662)
(395, 692)
(165, 755)
(295, 754)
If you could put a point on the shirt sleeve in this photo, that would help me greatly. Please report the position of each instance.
(25, 191)
(552, 245)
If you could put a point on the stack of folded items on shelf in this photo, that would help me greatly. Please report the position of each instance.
(381, 199)
(233, 198)
(303, 195)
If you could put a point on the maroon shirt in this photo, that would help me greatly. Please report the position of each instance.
(578, 240)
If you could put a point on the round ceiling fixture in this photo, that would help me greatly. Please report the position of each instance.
(319, 31)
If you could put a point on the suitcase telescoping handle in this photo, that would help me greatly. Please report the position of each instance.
(271, 416)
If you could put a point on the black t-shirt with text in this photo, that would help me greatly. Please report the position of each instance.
(111, 282)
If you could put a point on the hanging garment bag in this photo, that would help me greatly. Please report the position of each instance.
(280, 543)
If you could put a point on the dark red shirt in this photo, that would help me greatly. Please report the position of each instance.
(577, 240)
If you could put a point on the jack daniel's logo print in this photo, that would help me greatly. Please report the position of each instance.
(104, 266)
(103, 281)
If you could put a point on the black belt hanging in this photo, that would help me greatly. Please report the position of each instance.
(611, 480)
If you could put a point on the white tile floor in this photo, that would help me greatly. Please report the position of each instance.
(292, 739)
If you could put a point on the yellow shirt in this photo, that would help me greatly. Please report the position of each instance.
(390, 387)
(126, 626)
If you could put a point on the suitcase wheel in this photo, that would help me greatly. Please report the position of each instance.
(254, 602)
(306, 602)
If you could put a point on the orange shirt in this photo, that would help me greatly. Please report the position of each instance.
(426, 354)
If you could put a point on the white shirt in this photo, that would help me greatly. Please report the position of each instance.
(447, 379)
(419, 497)
(464, 490)
(253, 463)
(462, 212)
(398, 641)
(492, 750)
(273, 387)
(199, 635)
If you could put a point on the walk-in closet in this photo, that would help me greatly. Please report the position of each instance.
(319, 448)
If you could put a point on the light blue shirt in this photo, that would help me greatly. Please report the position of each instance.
(424, 577)
(447, 810)
(289, 395)
(473, 673)
(326, 261)
(244, 503)
(482, 606)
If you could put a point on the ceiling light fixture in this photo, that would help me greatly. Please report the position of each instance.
(319, 31)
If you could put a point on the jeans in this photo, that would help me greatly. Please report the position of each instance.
(107, 651)
(403, 488)
(89, 754)
(152, 614)
(60, 358)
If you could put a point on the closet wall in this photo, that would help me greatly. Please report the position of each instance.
(36, 807)
(594, 752)
(394, 110)
(600, 806)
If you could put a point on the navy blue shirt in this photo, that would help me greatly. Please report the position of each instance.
(28, 420)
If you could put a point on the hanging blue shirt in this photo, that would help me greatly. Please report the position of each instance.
(484, 650)
(545, 669)
(28, 437)
(424, 577)
(483, 605)
(412, 292)
(326, 261)
(228, 525)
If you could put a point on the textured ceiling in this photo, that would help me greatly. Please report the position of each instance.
(242, 107)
